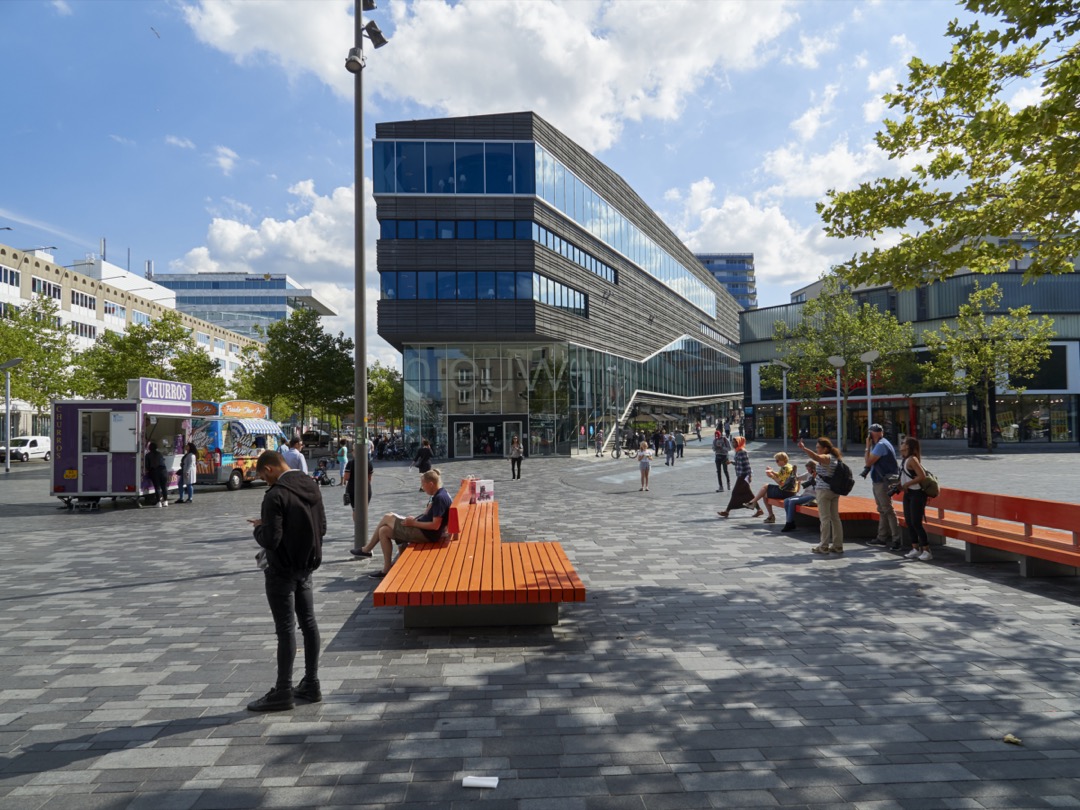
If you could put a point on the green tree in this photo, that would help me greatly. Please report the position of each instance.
(386, 394)
(145, 350)
(984, 352)
(193, 365)
(833, 324)
(46, 348)
(981, 168)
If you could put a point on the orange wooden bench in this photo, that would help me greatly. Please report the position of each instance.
(474, 579)
(1043, 536)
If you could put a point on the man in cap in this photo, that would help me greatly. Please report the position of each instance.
(881, 461)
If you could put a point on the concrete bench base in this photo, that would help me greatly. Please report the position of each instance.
(544, 613)
(1029, 566)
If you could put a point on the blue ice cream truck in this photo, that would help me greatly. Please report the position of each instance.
(99, 444)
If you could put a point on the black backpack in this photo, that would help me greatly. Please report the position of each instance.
(841, 481)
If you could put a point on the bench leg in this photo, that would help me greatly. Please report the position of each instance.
(1035, 567)
(525, 613)
(974, 553)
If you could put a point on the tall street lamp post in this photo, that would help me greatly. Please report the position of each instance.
(869, 358)
(785, 368)
(838, 362)
(354, 63)
(7, 367)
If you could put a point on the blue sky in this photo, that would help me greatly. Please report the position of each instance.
(217, 134)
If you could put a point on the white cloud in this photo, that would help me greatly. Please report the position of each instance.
(62, 7)
(120, 139)
(182, 143)
(1025, 97)
(808, 124)
(315, 248)
(812, 48)
(225, 159)
(588, 67)
(809, 175)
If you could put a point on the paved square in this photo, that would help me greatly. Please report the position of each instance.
(715, 663)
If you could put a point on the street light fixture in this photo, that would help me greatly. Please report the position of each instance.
(838, 362)
(869, 358)
(785, 368)
(7, 367)
(354, 63)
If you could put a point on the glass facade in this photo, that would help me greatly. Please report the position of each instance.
(447, 285)
(556, 391)
(526, 168)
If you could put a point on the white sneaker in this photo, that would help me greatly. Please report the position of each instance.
(912, 555)
(164, 503)
(926, 555)
(159, 504)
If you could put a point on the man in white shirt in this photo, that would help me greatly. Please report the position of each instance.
(293, 457)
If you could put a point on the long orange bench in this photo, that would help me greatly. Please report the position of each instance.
(859, 515)
(1043, 536)
(473, 578)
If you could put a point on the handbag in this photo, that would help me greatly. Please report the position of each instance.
(346, 499)
(930, 484)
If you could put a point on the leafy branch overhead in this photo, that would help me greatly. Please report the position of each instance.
(980, 167)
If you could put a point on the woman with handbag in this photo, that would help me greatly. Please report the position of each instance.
(741, 492)
(517, 452)
(912, 477)
(827, 457)
(786, 484)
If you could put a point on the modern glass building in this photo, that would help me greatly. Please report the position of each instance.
(533, 293)
(736, 272)
(241, 302)
(1047, 411)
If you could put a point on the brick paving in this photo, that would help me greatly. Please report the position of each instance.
(715, 663)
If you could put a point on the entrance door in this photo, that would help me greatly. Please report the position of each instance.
(510, 430)
(463, 440)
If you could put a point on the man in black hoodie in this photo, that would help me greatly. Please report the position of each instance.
(290, 529)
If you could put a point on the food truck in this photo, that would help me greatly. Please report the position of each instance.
(99, 445)
(229, 438)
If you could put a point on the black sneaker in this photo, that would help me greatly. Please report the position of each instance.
(876, 542)
(896, 546)
(788, 527)
(358, 553)
(276, 700)
(377, 575)
(308, 690)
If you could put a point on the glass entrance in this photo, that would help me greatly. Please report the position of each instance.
(463, 440)
(510, 430)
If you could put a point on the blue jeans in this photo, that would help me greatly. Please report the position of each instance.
(187, 488)
(796, 500)
(292, 601)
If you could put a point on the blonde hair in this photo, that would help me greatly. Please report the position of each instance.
(432, 475)
(781, 458)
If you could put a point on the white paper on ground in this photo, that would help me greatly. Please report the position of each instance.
(480, 781)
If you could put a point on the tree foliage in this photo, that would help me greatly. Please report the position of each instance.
(981, 167)
(984, 352)
(163, 349)
(386, 393)
(46, 348)
(834, 324)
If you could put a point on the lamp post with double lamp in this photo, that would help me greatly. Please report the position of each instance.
(838, 362)
(354, 63)
(785, 368)
(869, 358)
(7, 367)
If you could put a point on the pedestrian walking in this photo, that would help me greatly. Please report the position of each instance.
(881, 462)
(741, 492)
(343, 458)
(721, 446)
(669, 450)
(680, 443)
(293, 457)
(423, 460)
(832, 529)
(912, 475)
(727, 428)
(188, 464)
(697, 430)
(290, 528)
(158, 475)
(599, 438)
(644, 457)
(517, 452)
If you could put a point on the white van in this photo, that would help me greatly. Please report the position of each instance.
(25, 448)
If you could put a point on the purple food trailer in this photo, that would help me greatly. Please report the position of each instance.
(98, 445)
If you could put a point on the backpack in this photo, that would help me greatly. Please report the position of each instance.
(841, 481)
(930, 485)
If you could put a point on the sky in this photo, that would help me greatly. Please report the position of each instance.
(218, 134)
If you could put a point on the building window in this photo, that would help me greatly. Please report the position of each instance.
(84, 330)
(9, 276)
(140, 318)
(219, 344)
(202, 339)
(114, 310)
(464, 396)
(40, 286)
(234, 348)
(81, 299)
(464, 376)
(485, 395)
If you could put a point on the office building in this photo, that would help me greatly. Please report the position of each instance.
(736, 272)
(532, 292)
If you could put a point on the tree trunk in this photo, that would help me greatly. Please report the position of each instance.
(987, 434)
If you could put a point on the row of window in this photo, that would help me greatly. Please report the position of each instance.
(202, 339)
(140, 318)
(9, 276)
(246, 284)
(243, 300)
(115, 310)
(573, 253)
(84, 330)
(708, 331)
(447, 285)
(40, 286)
(81, 299)
(454, 167)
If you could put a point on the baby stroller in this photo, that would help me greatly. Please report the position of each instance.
(322, 475)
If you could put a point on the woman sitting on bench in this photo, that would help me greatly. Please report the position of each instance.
(786, 484)
(428, 528)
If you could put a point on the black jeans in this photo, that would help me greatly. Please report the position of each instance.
(914, 512)
(722, 473)
(515, 468)
(291, 599)
(160, 479)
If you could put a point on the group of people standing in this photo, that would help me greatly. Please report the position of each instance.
(887, 475)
